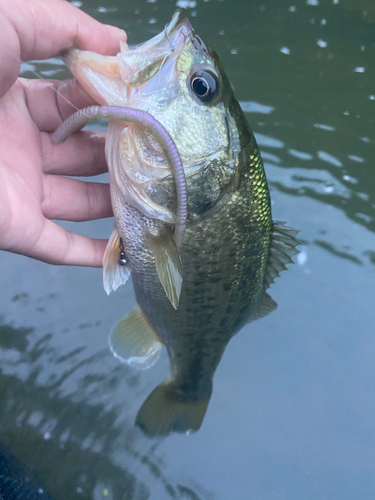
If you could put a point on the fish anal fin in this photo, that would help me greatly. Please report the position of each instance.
(163, 413)
(168, 265)
(114, 275)
(282, 249)
(133, 341)
(265, 306)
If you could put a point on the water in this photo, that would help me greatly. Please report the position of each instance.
(291, 415)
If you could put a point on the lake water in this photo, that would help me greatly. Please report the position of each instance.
(292, 413)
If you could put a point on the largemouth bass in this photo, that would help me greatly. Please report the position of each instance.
(193, 293)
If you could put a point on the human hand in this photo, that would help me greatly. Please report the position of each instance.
(33, 186)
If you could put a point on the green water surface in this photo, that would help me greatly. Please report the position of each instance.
(292, 413)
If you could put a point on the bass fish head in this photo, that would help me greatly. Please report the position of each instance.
(179, 80)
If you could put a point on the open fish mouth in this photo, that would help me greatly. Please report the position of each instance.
(111, 80)
(140, 63)
(168, 38)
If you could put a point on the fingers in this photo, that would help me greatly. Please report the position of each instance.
(82, 154)
(46, 27)
(10, 57)
(74, 200)
(50, 102)
(55, 245)
(40, 29)
(71, 95)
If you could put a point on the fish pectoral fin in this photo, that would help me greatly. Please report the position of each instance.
(282, 248)
(265, 306)
(133, 341)
(164, 412)
(114, 275)
(168, 265)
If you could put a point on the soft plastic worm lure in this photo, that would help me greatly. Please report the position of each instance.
(84, 116)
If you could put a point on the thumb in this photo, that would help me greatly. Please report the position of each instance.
(40, 29)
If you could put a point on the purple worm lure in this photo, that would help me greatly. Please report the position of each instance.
(84, 116)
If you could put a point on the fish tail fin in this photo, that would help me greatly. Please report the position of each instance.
(164, 412)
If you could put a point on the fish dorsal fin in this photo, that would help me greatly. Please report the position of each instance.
(168, 265)
(282, 249)
(265, 306)
(133, 341)
(114, 275)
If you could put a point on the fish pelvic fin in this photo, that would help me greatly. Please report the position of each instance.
(114, 275)
(265, 306)
(165, 412)
(168, 265)
(134, 342)
(282, 249)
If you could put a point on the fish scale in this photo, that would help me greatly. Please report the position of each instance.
(195, 295)
(221, 285)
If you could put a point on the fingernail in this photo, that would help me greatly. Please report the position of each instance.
(118, 32)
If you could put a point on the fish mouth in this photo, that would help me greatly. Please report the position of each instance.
(112, 80)
(139, 64)
(168, 39)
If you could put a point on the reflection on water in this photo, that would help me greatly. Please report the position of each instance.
(52, 433)
(292, 412)
(16, 481)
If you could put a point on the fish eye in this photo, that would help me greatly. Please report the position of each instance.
(204, 85)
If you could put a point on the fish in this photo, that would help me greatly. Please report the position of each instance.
(195, 291)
